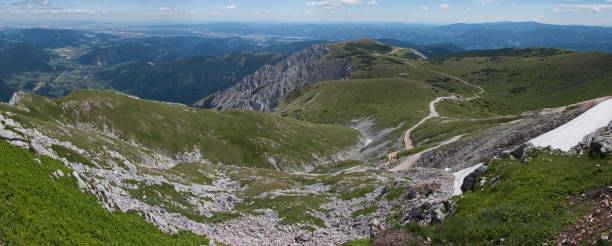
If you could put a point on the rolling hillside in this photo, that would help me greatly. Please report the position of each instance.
(245, 138)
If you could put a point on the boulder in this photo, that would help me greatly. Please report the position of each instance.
(304, 237)
(57, 174)
(603, 144)
(9, 135)
(470, 179)
(520, 150)
(411, 193)
(20, 144)
(82, 185)
(417, 213)
(505, 153)
(437, 214)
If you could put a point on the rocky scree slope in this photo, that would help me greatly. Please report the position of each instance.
(192, 191)
(265, 88)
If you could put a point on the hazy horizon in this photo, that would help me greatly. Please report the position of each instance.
(430, 12)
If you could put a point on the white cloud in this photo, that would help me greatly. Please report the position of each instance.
(167, 9)
(484, 2)
(335, 4)
(468, 9)
(231, 6)
(444, 6)
(565, 10)
(424, 8)
(33, 4)
(594, 7)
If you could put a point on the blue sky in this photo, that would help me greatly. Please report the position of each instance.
(584, 12)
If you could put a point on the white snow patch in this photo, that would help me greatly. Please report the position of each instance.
(459, 176)
(569, 135)
(368, 141)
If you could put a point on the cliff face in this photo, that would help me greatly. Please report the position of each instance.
(264, 89)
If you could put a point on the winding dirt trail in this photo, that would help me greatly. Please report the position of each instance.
(432, 114)
(414, 158)
(432, 105)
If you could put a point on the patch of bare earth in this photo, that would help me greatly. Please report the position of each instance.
(397, 238)
(596, 226)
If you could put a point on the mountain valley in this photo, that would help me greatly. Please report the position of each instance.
(202, 141)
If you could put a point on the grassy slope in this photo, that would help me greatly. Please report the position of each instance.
(35, 209)
(522, 83)
(388, 102)
(371, 59)
(241, 137)
(527, 206)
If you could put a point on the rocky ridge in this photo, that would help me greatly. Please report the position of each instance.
(265, 88)
(599, 141)
(498, 141)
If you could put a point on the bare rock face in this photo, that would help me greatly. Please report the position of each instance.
(470, 180)
(265, 88)
(16, 98)
(495, 142)
(598, 141)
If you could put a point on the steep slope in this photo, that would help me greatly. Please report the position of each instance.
(39, 208)
(188, 79)
(264, 89)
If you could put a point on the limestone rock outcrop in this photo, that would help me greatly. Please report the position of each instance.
(265, 88)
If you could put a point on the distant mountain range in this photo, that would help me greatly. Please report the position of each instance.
(162, 49)
(184, 63)
(185, 80)
(467, 36)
